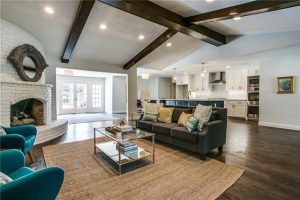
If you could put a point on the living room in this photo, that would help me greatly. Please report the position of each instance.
(150, 99)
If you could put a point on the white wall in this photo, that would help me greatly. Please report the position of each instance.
(280, 110)
(151, 85)
(100, 67)
(119, 97)
(108, 95)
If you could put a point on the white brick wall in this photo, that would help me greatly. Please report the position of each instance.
(11, 37)
(12, 92)
(12, 88)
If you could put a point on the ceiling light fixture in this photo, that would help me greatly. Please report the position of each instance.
(236, 18)
(227, 67)
(202, 70)
(185, 73)
(209, 1)
(145, 76)
(169, 44)
(103, 26)
(49, 10)
(141, 37)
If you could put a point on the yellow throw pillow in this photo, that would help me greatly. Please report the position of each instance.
(183, 118)
(165, 115)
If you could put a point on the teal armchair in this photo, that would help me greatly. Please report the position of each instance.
(28, 184)
(19, 137)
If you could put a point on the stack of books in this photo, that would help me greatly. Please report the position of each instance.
(127, 148)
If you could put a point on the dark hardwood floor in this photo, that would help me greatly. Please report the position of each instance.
(270, 157)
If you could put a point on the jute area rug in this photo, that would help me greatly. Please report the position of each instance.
(175, 175)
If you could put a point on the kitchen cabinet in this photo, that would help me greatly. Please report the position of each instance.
(236, 108)
(182, 80)
(236, 79)
(199, 83)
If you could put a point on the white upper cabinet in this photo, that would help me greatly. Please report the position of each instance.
(236, 79)
(198, 83)
(182, 80)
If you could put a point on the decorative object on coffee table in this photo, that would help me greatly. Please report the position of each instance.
(27, 52)
(285, 85)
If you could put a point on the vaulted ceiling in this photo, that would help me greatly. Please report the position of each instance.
(119, 42)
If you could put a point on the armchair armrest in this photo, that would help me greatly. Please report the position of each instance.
(27, 130)
(43, 184)
(11, 160)
(12, 141)
(213, 135)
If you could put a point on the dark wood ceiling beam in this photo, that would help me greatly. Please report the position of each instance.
(251, 8)
(82, 14)
(151, 47)
(154, 13)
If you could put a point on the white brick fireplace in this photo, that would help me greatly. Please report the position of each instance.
(13, 89)
(13, 92)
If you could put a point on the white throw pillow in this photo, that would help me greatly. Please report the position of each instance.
(202, 113)
(152, 108)
(4, 179)
(2, 131)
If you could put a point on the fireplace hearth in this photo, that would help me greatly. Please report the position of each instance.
(27, 111)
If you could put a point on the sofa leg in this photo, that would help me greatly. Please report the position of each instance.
(220, 148)
(202, 156)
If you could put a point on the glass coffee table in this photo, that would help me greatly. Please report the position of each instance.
(112, 148)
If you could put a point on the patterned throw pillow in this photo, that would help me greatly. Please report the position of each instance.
(150, 117)
(202, 113)
(192, 124)
(151, 112)
(4, 179)
(151, 108)
(183, 118)
(165, 115)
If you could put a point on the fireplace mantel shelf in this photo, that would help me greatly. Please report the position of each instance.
(26, 83)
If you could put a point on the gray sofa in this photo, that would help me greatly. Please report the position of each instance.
(212, 135)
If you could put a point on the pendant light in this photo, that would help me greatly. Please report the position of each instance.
(202, 70)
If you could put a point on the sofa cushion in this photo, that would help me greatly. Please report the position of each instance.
(144, 125)
(183, 134)
(192, 124)
(183, 118)
(214, 116)
(4, 179)
(150, 117)
(177, 112)
(165, 115)
(163, 128)
(202, 113)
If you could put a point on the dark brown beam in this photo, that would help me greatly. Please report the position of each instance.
(251, 8)
(154, 13)
(151, 47)
(83, 11)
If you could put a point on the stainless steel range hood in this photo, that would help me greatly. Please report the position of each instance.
(217, 78)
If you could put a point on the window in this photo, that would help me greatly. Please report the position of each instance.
(97, 90)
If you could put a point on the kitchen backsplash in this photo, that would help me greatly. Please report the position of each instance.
(218, 91)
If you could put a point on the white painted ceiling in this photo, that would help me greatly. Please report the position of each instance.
(119, 43)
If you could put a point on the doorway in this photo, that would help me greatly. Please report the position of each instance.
(80, 96)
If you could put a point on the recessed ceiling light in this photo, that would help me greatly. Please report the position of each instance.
(185, 73)
(141, 37)
(169, 44)
(49, 10)
(237, 18)
(103, 26)
(227, 67)
(209, 0)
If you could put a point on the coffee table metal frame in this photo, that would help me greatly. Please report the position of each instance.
(110, 148)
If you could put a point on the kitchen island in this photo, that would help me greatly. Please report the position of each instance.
(193, 102)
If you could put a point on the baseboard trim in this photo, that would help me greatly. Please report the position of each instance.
(277, 125)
